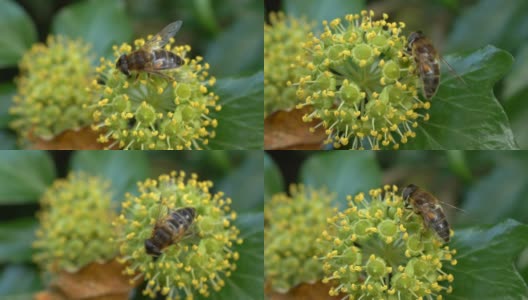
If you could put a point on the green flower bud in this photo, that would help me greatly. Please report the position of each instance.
(75, 224)
(201, 259)
(292, 225)
(361, 83)
(379, 249)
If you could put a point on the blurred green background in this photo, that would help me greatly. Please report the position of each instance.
(226, 33)
(454, 26)
(491, 187)
(25, 175)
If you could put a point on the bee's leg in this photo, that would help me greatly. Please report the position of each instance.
(137, 78)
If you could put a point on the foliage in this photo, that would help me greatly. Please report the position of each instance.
(472, 109)
(225, 38)
(122, 170)
(489, 235)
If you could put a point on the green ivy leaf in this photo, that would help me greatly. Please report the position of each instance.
(468, 117)
(247, 281)
(490, 22)
(515, 93)
(244, 184)
(273, 181)
(236, 51)
(17, 31)
(18, 281)
(7, 140)
(123, 168)
(486, 256)
(240, 122)
(24, 175)
(504, 188)
(99, 22)
(15, 240)
(7, 91)
(322, 10)
(344, 173)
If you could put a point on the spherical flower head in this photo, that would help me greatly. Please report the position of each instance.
(283, 41)
(51, 89)
(363, 85)
(164, 111)
(200, 259)
(292, 225)
(379, 249)
(75, 224)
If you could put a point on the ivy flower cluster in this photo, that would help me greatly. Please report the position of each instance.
(362, 84)
(292, 225)
(203, 258)
(283, 41)
(75, 224)
(377, 248)
(154, 112)
(51, 89)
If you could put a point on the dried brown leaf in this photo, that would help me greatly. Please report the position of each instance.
(93, 282)
(306, 291)
(285, 130)
(82, 139)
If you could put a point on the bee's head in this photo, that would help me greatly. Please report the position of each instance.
(192, 212)
(412, 38)
(152, 249)
(407, 191)
(122, 65)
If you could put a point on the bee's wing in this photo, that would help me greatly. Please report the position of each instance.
(160, 209)
(453, 71)
(162, 38)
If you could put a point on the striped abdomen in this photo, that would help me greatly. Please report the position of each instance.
(170, 230)
(428, 69)
(436, 220)
(153, 61)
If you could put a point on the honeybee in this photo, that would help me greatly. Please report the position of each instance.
(427, 61)
(169, 230)
(151, 58)
(426, 205)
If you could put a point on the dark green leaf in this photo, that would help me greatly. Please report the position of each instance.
(241, 120)
(501, 23)
(123, 168)
(498, 195)
(18, 281)
(522, 264)
(17, 32)
(273, 182)
(247, 281)
(342, 172)
(244, 184)
(322, 10)
(238, 49)
(24, 175)
(515, 95)
(486, 257)
(7, 91)
(15, 240)
(99, 22)
(467, 117)
(7, 140)
(515, 82)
